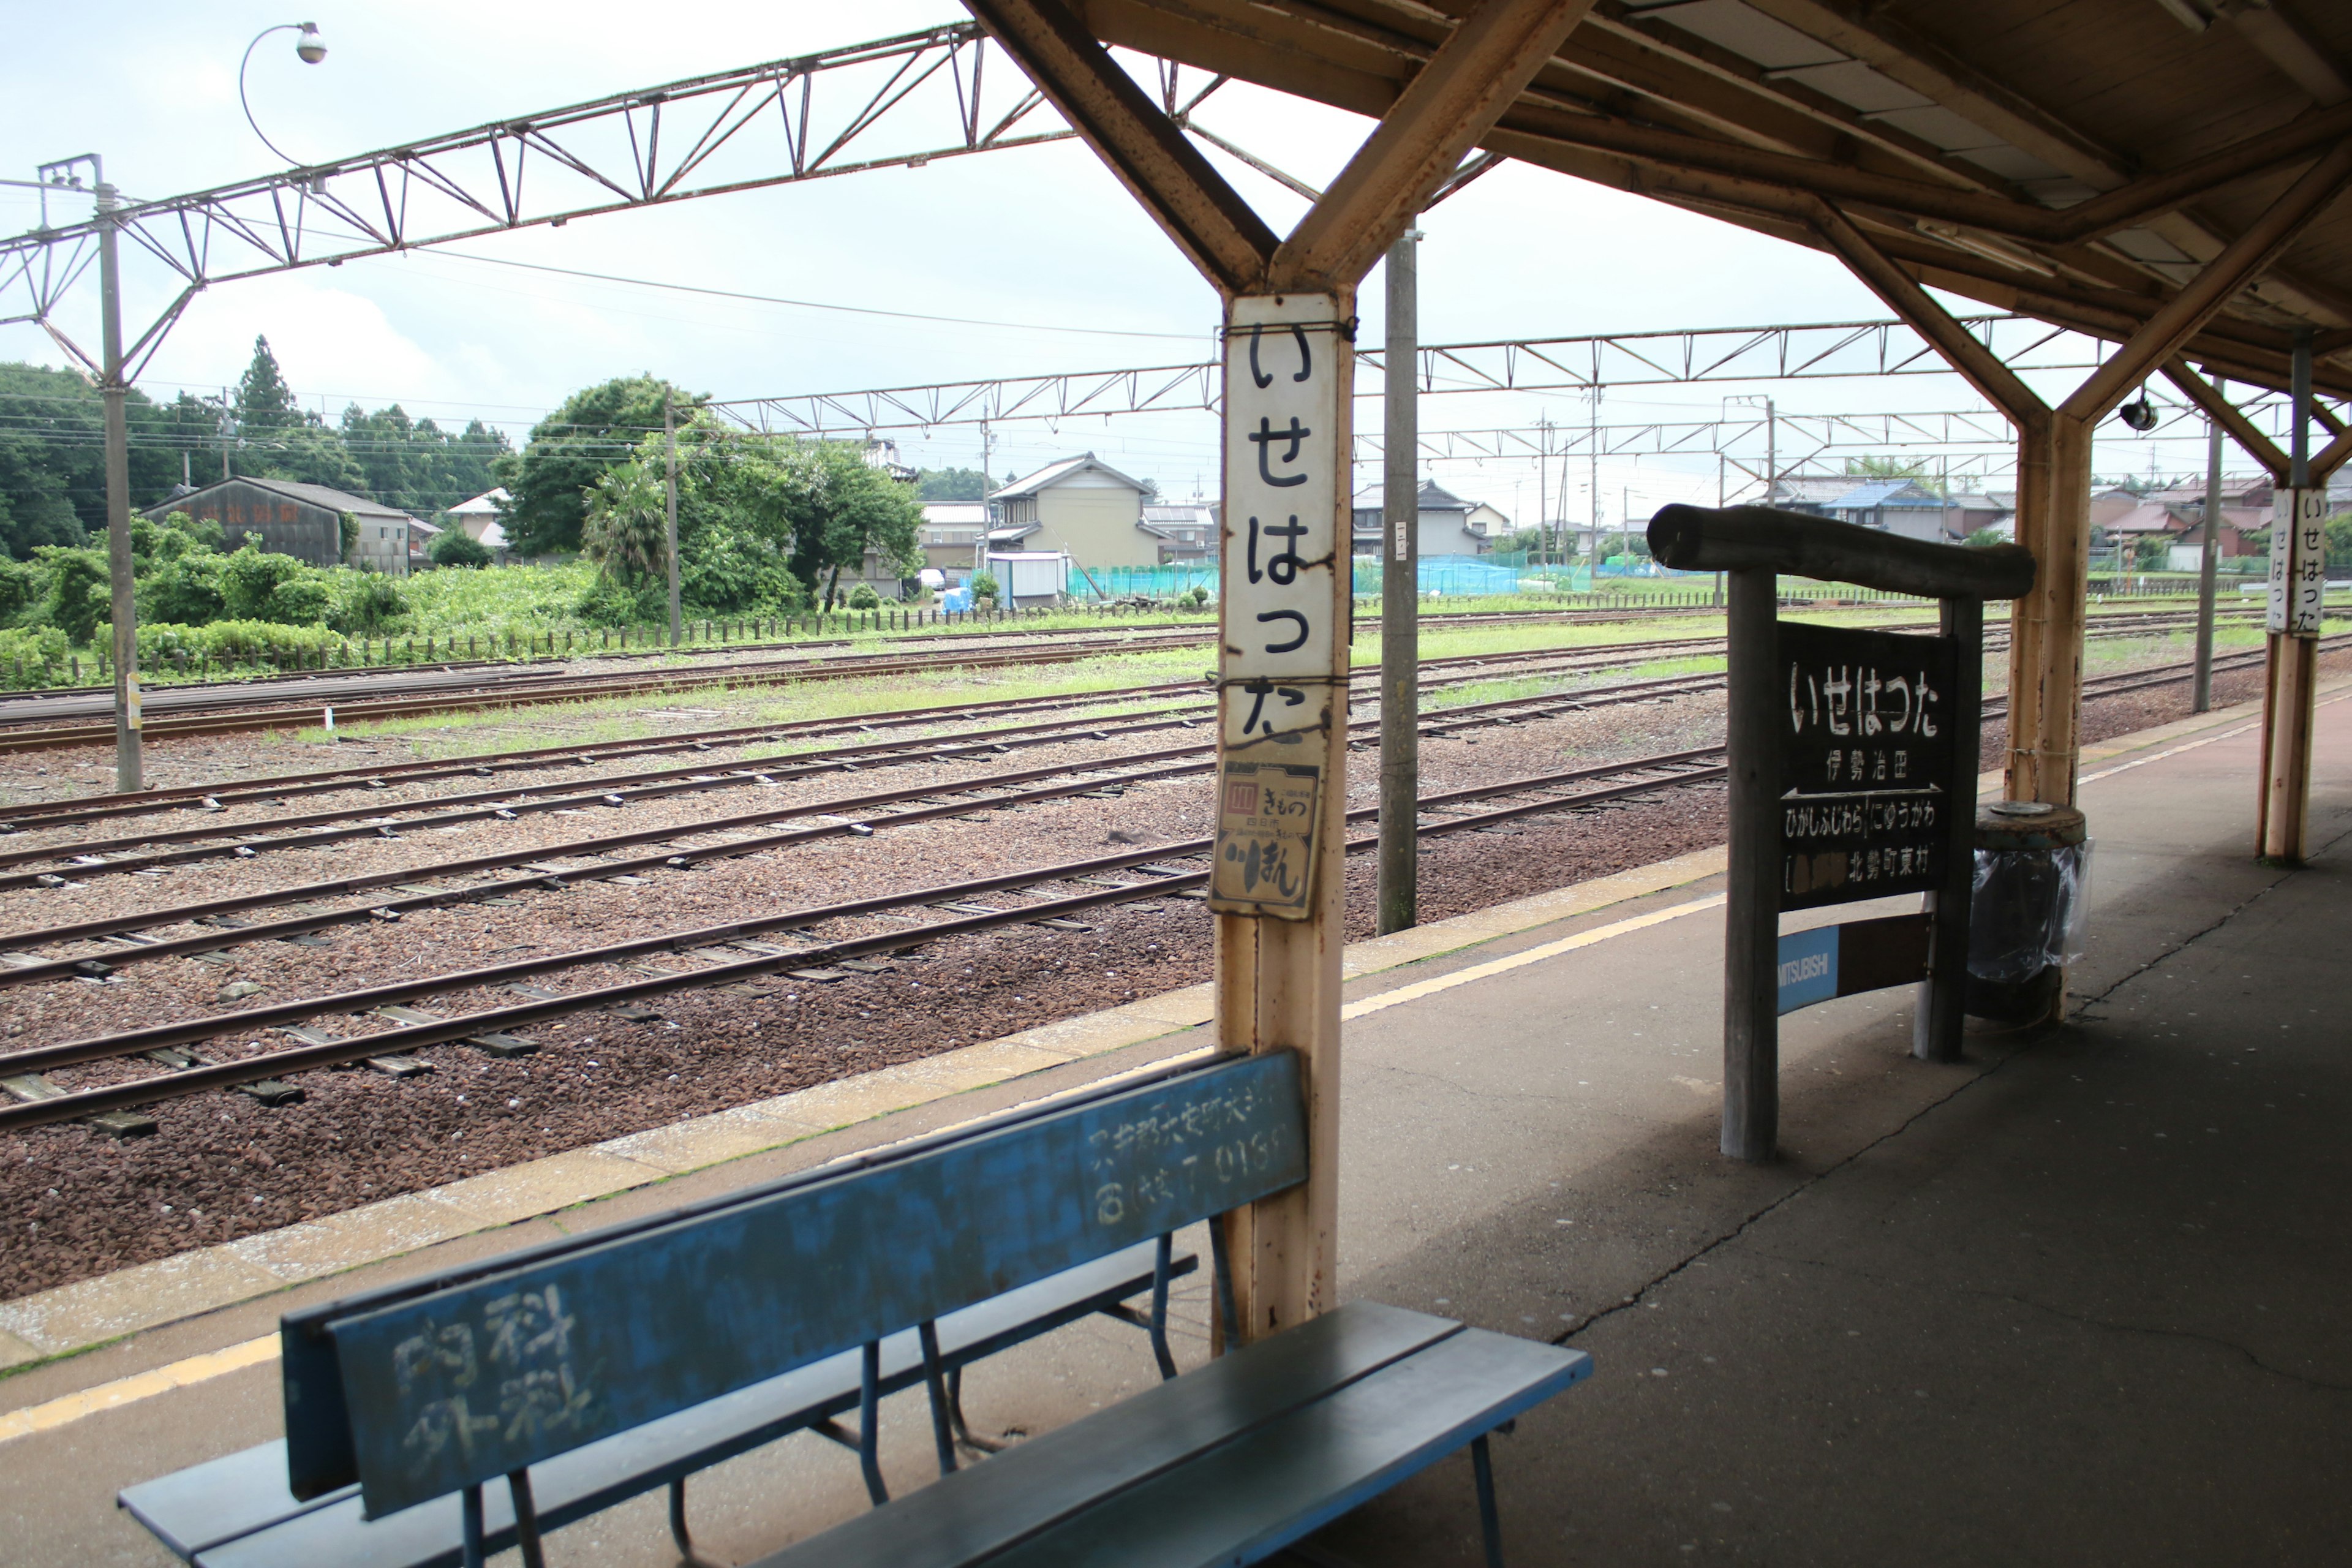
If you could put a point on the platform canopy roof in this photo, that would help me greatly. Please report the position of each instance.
(2073, 160)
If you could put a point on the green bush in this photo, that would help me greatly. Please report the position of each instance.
(42, 649)
(185, 589)
(77, 598)
(864, 597)
(300, 601)
(455, 547)
(250, 577)
(20, 586)
(366, 604)
(983, 587)
(269, 641)
(609, 603)
(160, 642)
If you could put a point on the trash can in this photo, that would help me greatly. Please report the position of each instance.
(2027, 913)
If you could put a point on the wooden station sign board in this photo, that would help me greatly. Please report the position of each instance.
(1865, 764)
(2298, 562)
(1852, 776)
(1281, 664)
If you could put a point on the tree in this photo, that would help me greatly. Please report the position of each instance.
(76, 600)
(626, 527)
(839, 508)
(1985, 538)
(264, 401)
(53, 455)
(418, 466)
(953, 484)
(597, 429)
(456, 547)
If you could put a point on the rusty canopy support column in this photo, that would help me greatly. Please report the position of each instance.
(1398, 888)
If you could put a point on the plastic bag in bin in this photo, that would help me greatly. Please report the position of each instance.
(2031, 902)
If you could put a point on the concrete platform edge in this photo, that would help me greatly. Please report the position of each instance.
(69, 1320)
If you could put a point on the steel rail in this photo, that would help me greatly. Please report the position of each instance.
(182, 1082)
(1102, 770)
(655, 783)
(408, 1036)
(105, 855)
(1100, 776)
(37, 814)
(28, 818)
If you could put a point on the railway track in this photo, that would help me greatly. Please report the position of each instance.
(723, 955)
(740, 953)
(280, 788)
(525, 689)
(107, 855)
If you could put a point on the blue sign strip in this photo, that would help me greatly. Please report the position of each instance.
(1809, 968)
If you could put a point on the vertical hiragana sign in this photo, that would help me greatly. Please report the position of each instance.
(1282, 663)
(2298, 560)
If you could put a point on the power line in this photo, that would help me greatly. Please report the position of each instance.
(807, 304)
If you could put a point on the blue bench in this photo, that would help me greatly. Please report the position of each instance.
(586, 1372)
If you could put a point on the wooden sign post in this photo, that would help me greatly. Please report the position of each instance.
(1284, 630)
(1853, 773)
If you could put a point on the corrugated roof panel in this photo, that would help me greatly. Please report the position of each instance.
(2017, 163)
(1747, 32)
(1852, 82)
(1941, 127)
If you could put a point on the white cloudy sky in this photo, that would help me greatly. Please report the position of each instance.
(1022, 239)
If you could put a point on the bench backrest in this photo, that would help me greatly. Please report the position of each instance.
(450, 1387)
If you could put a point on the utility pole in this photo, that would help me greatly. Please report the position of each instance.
(1399, 877)
(987, 508)
(2208, 562)
(669, 521)
(1592, 470)
(114, 393)
(1543, 478)
(1771, 449)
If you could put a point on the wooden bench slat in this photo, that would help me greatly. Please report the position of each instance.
(217, 1500)
(1062, 1474)
(237, 1510)
(1256, 1495)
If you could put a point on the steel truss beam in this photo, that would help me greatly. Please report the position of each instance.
(1787, 353)
(900, 101)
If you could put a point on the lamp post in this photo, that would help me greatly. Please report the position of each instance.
(308, 47)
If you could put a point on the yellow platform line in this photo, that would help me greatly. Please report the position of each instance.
(1477, 972)
(70, 1407)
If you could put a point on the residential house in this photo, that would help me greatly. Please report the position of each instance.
(1187, 532)
(1971, 512)
(1446, 524)
(1082, 507)
(952, 536)
(305, 522)
(1893, 506)
(478, 520)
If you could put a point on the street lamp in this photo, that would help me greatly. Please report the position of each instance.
(308, 47)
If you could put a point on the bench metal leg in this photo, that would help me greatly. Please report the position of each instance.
(1490, 1519)
(942, 1434)
(870, 1424)
(1221, 1260)
(470, 1551)
(526, 1519)
(678, 1533)
(1161, 1264)
(956, 1422)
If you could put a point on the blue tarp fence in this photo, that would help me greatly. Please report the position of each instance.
(1465, 575)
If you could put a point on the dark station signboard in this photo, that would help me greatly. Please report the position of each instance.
(1866, 763)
